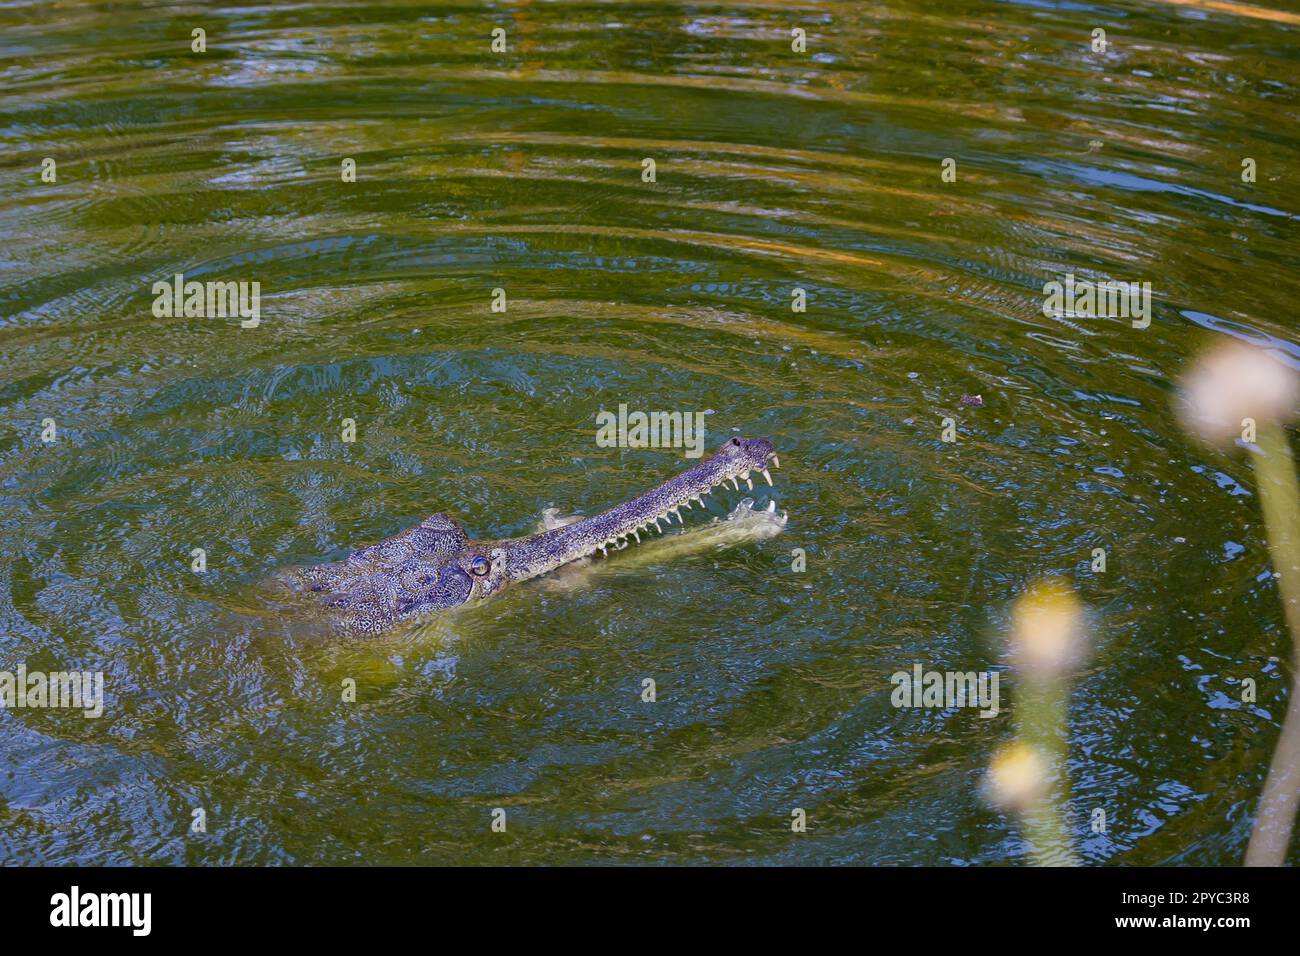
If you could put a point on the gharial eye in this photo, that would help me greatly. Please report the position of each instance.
(480, 565)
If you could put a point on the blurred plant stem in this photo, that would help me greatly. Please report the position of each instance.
(1042, 724)
(1280, 502)
(1030, 777)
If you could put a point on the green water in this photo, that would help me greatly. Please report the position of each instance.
(522, 170)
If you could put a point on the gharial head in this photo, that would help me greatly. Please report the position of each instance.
(440, 566)
(435, 565)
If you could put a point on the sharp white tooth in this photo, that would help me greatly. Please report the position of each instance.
(678, 516)
(749, 483)
(700, 500)
(603, 551)
(776, 462)
(735, 484)
(771, 506)
(767, 476)
(657, 528)
(637, 536)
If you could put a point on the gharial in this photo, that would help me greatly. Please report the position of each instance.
(435, 565)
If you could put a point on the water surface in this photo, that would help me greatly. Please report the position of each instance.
(522, 170)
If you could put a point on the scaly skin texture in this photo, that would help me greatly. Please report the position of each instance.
(435, 565)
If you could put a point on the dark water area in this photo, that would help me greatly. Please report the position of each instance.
(522, 170)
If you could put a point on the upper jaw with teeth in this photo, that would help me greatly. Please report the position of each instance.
(694, 491)
(733, 463)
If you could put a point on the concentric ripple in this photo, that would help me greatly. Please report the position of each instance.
(525, 171)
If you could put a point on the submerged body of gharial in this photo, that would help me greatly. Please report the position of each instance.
(436, 566)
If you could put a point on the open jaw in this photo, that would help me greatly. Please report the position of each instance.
(437, 566)
(736, 461)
